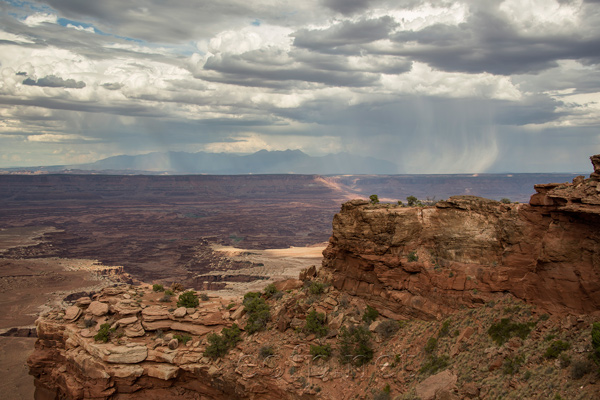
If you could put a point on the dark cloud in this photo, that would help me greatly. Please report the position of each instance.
(347, 6)
(345, 33)
(112, 85)
(55, 81)
(244, 68)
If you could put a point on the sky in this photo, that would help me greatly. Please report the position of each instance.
(461, 86)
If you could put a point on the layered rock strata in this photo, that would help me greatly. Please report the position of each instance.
(426, 262)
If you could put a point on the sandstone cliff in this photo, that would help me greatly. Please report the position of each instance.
(426, 262)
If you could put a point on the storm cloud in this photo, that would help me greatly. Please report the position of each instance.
(437, 86)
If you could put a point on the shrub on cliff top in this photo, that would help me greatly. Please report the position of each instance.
(374, 199)
(270, 290)
(104, 332)
(219, 345)
(188, 300)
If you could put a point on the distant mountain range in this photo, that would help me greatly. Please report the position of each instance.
(261, 162)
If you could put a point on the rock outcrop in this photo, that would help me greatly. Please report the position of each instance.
(426, 262)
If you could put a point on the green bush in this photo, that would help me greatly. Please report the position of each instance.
(219, 345)
(104, 333)
(505, 200)
(412, 256)
(434, 364)
(511, 365)
(188, 300)
(323, 351)
(412, 201)
(445, 329)
(388, 328)
(431, 345)
(165, 299)
(355, 345)
(316, 288)
(258, 312)
(555, 348)
(157, 287)
(374, 199)
(315, 323)
(182, 338)
(270, 290)
(370, 314)
(169, 292)
(502, 331)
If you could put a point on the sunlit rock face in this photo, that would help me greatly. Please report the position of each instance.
(426, 262)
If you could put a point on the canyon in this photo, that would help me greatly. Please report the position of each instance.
(451, 271)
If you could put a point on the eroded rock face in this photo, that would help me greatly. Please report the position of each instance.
(426, 262)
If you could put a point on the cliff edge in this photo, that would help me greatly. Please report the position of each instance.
(427, 262)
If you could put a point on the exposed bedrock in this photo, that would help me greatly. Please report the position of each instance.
(426, 262)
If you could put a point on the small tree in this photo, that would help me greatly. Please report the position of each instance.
(258, 312)
(374, 199)
(315, 323)
(355, 345)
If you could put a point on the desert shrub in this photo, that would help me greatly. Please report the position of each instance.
(344, 301)
(165, 299)
(219, 345)
(445, 329)
(580, 368)
(323, 351)
(169, 292)
(188, 300)
(555, 348)
(412, 256)
(88, 323)
(564, 360)
(270, 290)
(434, 364)
(157, 287)
(384, 394)
(266, 351)
(315, 323)
(355, 345)
(104, 333)
(370, 314)
(204, 297)
(596, 342)
(505, 200)
(230, 306)
(258, 312)
(181, 338)
(502, 331)
(511, 365)
(431, 345)
(177, 287)
(316, 288)
(388, 328)
(374, 199)
(277, 295)
(412, 201)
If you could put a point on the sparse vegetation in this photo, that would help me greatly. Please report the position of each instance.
(104, 333)
(204, 297)
(219, 345)
(412, 201)
(157, 287)
(270, 290)
(165, 299)
(181, 338)
(445, 329)
(388, 328)
(266, 351)
(580, 368)
(169, 292)
(177, 287)
(188, 299)
(374, 199)
(502, 331)
(412, 256)
(322, 351)
(505, 200)
(596, 342)
(434, 364)
(315, 323)
(316, 288)
(555, 348)
(258, 312)
(355, 345)
(511, 365)
(431, 345)
(370, 314)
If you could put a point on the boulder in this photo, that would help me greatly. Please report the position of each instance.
(97, 308)
(435, 385)
(180, 312)
(72, 313)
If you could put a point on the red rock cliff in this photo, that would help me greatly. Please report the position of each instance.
(426, 262)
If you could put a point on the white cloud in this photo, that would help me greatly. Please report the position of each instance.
(252, 142)
(40, 18)
(55, 138)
